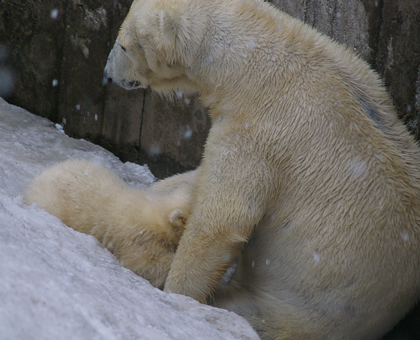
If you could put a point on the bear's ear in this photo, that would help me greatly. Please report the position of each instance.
(178, 218)
(168, 25)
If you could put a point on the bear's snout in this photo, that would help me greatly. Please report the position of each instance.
(106, 78)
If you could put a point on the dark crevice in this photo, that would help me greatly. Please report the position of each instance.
(110, 19)
(142, 116)
(59, 62)
(305, 11)
(375, 28)
(333, 21)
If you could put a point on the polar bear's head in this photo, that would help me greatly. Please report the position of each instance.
(156, 46)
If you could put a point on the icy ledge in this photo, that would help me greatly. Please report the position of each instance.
(56, 283)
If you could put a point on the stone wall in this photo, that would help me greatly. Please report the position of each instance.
(58, 52)
(59, 48)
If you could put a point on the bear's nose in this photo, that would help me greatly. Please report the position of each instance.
(106, 79)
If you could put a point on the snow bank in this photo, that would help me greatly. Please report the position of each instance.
(56, 283)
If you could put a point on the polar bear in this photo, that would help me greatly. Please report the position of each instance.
(309, 182)
(141, 228)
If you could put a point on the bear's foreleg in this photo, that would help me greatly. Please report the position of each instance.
(230, 200)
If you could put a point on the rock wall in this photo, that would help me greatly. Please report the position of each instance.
(58, 52)
(58, 49)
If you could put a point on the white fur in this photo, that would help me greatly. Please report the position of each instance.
(140, 227)
(307, 176)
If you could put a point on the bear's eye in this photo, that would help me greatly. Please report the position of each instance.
(123, 48)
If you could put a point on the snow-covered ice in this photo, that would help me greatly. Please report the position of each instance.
(56, 283)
